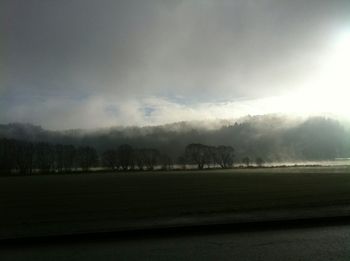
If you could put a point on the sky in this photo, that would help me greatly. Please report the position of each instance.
(98, 63)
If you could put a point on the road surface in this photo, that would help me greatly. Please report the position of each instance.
(284, 242)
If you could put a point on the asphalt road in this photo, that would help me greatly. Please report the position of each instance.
(284, 242)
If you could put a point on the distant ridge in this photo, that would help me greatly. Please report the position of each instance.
(272, 137)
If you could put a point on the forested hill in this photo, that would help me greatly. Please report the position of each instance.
(275, 138)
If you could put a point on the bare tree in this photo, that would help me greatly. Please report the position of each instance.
(69, 157)
(126, 156)
(181, 160)
(44, 157)
(59, 157)
(24, 157)
(197, 153)
(224, 156)
(110, 159)
(259, 161)
(87, 158)
(246, 161)
(151, 158)
(166, 162)
(7, 155)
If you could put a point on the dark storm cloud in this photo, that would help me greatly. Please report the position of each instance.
(200, 51)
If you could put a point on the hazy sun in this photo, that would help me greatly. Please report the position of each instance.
(329, 90)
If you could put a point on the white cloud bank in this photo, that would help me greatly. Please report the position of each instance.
(93, 112)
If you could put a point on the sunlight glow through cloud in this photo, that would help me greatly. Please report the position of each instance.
(130, 63)
(326, 92)
(329, 90)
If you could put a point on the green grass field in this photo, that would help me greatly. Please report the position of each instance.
(53, 203)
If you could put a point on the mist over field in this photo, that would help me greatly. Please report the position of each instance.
(272, 137)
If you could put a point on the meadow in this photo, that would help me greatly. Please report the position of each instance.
(58, 204)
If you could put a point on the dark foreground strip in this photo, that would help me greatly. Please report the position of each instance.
(183, 231)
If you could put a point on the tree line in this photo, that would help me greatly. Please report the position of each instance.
(215, 156)
(26, 158)
(41, 157)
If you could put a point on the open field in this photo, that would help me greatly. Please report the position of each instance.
(54, 204)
